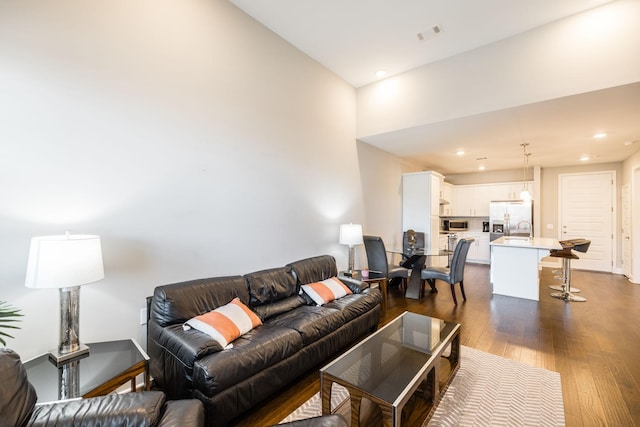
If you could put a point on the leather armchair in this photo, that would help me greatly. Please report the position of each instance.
(18, 405)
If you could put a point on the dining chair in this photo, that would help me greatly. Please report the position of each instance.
(412, 241)
(379, 263)
(453, 274)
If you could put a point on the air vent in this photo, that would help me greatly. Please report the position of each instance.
(430, 33)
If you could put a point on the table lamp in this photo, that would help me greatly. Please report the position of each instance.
(351, 235)
(65, 262)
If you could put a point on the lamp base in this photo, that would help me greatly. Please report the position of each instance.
(62, 358)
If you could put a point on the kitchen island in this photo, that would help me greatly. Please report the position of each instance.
(515, 265)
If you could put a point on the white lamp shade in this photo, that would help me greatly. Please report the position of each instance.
(64, 261)
(351, 234)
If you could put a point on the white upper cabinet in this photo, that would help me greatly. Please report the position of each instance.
(473, 200)
(448, 194)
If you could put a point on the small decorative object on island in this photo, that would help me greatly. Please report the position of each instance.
(8, 315)
(351, 235)
(65, 262)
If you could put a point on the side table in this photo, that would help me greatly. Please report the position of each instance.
(381, 281)
(109, 365)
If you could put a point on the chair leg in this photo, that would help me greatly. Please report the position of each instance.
(462, 290)
(453, 294)
(432, 285)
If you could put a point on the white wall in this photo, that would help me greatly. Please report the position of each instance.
(550, 62)
(381, 175)
(193, 140)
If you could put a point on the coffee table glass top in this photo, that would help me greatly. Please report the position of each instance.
(385, 363)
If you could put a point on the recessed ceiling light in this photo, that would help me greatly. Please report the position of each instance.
(460, 152)
(481, 167)
(381, 73)
(600, 135)
(585, 158)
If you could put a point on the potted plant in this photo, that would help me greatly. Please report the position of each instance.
(8, 316)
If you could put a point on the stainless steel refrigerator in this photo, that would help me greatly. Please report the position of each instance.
(510, 218)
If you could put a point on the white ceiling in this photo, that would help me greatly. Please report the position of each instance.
(356, 38)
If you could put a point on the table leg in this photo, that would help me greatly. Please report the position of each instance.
(415, 282)
(356, 400)
(383, 289)
(325, 385)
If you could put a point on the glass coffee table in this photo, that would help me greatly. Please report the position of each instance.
(390, 365)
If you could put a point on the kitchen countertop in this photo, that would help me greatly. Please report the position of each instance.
(526, 242)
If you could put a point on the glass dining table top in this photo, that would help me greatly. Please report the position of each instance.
(388, 361)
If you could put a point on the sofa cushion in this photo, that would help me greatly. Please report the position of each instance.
(314, 269)
(129, 409)
(269, 286)
(266, 311)
(311, 322)
(354, 305)
(326, 291)
(253, 352)
(179, 302)
(226, 323)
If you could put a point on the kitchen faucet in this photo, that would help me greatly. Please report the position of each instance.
(524, 221)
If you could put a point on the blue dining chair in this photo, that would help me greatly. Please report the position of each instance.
(453, 274)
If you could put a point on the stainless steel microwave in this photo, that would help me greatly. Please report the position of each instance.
(455, 225)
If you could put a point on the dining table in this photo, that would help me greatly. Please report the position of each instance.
(415, 260)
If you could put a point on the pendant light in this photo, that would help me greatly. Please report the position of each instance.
(524, 194)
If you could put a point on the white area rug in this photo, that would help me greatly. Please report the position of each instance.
(487, 390)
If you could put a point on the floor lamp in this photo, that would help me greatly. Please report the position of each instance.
(65, 262)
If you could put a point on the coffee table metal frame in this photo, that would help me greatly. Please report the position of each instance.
(390, 365)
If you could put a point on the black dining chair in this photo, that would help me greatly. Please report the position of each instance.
(453, 274)
(378, 262)
(412, 242)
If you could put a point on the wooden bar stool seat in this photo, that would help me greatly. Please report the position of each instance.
(567, 254)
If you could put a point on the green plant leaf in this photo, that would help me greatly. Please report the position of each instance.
(8, 314)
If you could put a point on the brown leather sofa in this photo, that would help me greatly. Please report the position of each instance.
(296, 335)
(18, 406)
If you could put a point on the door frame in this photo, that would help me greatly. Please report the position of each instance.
(614, 237)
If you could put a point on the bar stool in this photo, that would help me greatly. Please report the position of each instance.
(566, 253)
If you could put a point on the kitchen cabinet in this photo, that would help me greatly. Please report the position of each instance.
(509, 190)
(473, 200)
(448, 194)
(421, 205)
(479, 251)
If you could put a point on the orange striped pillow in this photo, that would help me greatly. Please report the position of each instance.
(326, 291)
(225, 323)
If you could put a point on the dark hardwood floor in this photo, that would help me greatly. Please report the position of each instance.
(594, 345)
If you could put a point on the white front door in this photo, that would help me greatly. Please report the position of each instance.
(587, 211)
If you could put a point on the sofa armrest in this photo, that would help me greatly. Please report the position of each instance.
(356, 286)
(173, 353)
(188, 346)
(183, 413)
(130, 409)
